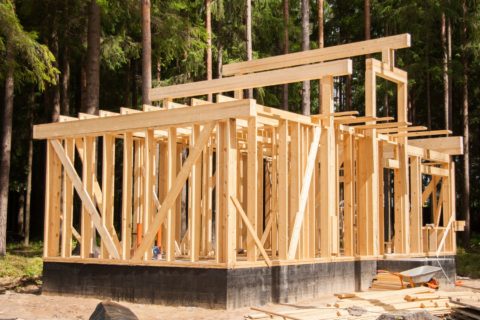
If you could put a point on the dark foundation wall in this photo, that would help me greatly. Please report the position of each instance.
(208, 288)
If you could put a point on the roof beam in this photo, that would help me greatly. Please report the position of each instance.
(262, 79)
(317, 55)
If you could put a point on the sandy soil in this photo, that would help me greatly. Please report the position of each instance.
(28, 306)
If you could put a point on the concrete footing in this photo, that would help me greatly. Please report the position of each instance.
(220, 288)
(208, 288)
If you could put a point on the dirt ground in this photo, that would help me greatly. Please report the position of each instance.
(30, 306)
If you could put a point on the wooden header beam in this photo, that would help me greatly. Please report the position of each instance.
(262, 79)
(318, 55)
(141, 120)
(450, 145)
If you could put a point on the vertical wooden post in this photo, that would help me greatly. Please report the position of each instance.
(52, 204)
(283, 195)
(226, 187)
(172, 173)
(260, 188)
(231, 191)
(127, 185)
(348, 193)
(416, 205)
(274, 194)
(381, 202)
(195, 223)
(295, 176)
(252, 186)
(219, 193)
(328, 198)
(67, 202)
(108, 190)
(149, 184)
(87, 178)
(368, 229)
(401, 185)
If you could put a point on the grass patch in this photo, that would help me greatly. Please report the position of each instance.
(468, 259)
(22, 261)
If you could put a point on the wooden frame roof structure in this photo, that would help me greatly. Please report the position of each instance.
(233, 183)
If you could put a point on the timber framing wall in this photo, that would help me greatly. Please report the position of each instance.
(234, 183)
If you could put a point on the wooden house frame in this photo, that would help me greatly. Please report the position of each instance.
(260, 186)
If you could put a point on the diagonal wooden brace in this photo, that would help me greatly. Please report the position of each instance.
(174, 190)
(86, 200)
(307, 178)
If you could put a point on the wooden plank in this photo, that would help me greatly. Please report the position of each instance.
(108, 186)
(67, 211)
(283, 223)
(252, 187)
(402, 181)
(149, 183)
(434, 171)
(82, 191)
(141, 120)
(382, 125)
(421, 133)
(307, 177)
(251, 230)
(328, 197)
(52, 204)
(171, 213)
(402, 129)
(416, 205)
(318, 55)
(349, 194)
(127, 185)
(295, 175)
(268, 78)
(86, 247)
(230, 191)
(449, 145)
(220, 204)
(195, 226)
(385, 71)
(175, 188)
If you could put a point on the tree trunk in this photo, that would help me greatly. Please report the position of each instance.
(6, 138)
(321, 44)
(367, 19)
(21, 214)
(146, 52)
(208, 26)
(450, 75)
(305, 47)
(93, 59)
(55, 89)
(65, 83)
(445, 70)
(286, 45)
(220, 60)
(466, 133)
(28, 195)
(249, 38)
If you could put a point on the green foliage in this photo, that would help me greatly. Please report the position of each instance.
(22, 261)
(34, 63)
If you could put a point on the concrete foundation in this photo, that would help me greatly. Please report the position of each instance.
(223, 288)
(208, 288)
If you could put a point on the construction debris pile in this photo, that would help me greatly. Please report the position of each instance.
(394, 304)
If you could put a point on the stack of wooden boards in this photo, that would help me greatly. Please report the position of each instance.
(387, 281)
(468, 307)
(371, 304)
